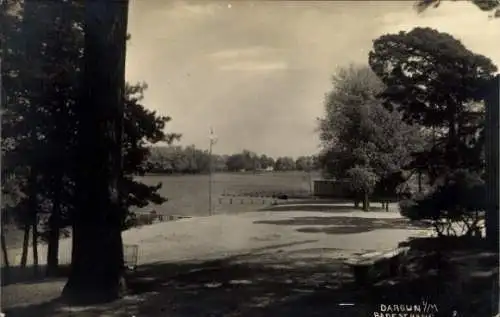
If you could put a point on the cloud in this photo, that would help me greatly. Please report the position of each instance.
(248, 59)
(253, 51)
(194, 10)
(254, 66)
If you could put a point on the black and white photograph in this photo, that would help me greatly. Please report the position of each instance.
(249, 158)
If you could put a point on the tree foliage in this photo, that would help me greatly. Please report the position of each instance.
(42, 53)
(304, 163)
(459, 199)
(266, 161)
(433, 80)
(142, 127)
(181, 160)
(362, 141)
(191, 160)
(284, 163)
(244, 161)
(483, 5)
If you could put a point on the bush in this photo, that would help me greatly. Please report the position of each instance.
(458, 199)
(408, 209)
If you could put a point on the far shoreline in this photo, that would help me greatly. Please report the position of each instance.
(225, 173)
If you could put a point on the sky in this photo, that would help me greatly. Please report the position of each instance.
(257, 71)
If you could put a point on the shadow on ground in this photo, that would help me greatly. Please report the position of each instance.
(468, 267)
(233, 287)
(28, 274)
(345, 225)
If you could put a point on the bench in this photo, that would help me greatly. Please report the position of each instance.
(371, 267)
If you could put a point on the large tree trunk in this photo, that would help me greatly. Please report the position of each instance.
(5, 255)
(35, 246)
(53, 240)
(54, 224)
(97, 258)
(366, 201)
(33, 213)
(420, 181)
(492, 157)
(26, 245)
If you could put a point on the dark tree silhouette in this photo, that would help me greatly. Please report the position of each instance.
(436, 82)
(484, 5)
(97, 258)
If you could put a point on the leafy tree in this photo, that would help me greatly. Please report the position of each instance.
(484, 5)
(142, 127)
(236, 162)
(263, 161)
(251, 159)
(44, 41)
(192, 162)
(362, 141)
(316, 162)
(62, 60)
(97, 258)
(27, 118)
(219, 163)
(362, 179)
(60, 45)
(303, 163)
(11, 53)
(434, 80)
(266, 161)
(178, 159)
(242, 161)
(284, 164)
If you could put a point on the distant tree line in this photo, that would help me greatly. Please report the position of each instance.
(191, 160)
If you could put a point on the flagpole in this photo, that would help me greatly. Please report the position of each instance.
(212, 142)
